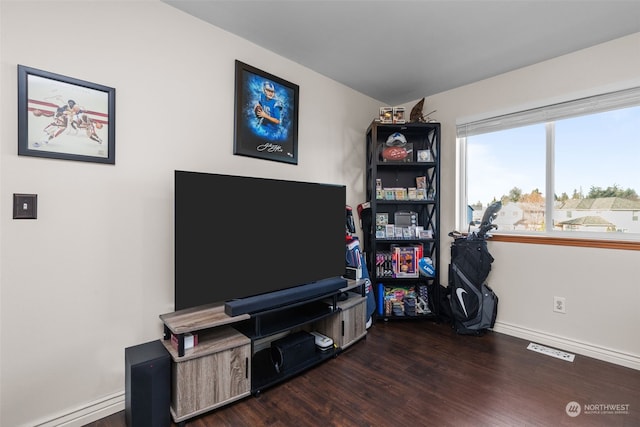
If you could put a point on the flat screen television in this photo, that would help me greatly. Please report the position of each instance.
(238, 237)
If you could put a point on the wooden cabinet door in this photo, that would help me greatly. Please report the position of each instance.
(210, 381)
(348, 325)
(354, 323)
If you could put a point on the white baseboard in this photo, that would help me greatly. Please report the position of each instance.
(561, 343)
(88, 413)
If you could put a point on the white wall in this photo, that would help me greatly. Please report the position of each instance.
(600, 286)
(92, 274)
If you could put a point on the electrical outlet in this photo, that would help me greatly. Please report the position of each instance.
(560, 305)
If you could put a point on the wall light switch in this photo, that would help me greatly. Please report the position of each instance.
(25, 206)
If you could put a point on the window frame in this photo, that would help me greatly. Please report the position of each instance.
(548, 115)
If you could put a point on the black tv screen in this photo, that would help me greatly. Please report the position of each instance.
(240, 236)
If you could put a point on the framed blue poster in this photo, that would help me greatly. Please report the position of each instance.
(266, 116)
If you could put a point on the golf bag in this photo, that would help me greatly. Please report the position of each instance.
(474, 305)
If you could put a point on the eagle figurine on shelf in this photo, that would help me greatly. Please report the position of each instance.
(416, 115)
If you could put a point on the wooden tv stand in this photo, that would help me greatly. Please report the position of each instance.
(232, 358)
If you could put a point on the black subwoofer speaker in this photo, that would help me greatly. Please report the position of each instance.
(147, 385)
(292, 351)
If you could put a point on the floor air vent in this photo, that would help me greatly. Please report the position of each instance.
(551, 352)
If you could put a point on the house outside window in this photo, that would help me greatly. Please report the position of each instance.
(566, 168)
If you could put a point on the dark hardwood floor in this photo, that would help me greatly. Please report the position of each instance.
(423, 374)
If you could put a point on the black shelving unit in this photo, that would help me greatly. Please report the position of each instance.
(403, 188)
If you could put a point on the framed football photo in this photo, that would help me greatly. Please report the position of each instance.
(266, 115)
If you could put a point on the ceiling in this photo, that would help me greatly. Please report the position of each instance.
(400, 51)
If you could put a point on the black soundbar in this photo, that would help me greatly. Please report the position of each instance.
(258, 303)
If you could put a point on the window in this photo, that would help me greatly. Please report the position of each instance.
(566, 169)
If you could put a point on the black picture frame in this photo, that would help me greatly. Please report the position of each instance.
(255, 134)
(60, 117)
